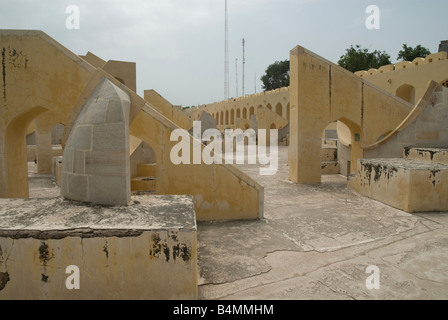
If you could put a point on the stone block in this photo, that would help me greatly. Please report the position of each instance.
(95, 112)
(409, 185)
(108, 190)
(146, 250)
(114, 112)
(77, 187)
(111, 136)
(83, 137)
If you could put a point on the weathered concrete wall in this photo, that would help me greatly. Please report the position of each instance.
(147, 250)
(409, 185)
(96, 157)
(436, 155)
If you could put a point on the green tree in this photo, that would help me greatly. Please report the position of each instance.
(357, 58)
(409, 53)
(276, 76)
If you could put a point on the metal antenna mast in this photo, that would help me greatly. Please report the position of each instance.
(236, 73)
(244, 62)
(255, 82)
(226, 57)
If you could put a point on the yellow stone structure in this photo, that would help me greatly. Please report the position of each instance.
(409, 79)
(271, 109)
(32, 85)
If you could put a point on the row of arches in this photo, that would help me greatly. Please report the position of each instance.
(228, 117)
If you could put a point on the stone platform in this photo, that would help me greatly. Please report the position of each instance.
(146, 250)
(406, 184)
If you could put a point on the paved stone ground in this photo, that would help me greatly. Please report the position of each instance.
(316, 242)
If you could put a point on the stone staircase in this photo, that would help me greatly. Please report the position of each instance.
(417, 182)
(145, 179)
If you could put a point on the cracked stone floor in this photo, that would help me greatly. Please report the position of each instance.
(315, 242)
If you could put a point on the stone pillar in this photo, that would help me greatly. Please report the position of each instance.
(309, 115)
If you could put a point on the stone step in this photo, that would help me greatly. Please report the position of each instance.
(146, 170)
(407, 184)
(143, 184)
(330, 167)
(435, 155)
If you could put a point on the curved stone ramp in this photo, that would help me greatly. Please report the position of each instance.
(419, 129)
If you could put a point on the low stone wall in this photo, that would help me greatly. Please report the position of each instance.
(409, 185)
(147, 250)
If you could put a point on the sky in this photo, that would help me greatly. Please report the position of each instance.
(178, 45)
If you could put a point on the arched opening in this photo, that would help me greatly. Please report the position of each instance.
(16, 155)
(269, 106)
(278, 109)
(329, 153)
(222, 118)
(272, 126)
(232, 116)
(217, 118)
(244, 113)
(251, 111)
(238, 113)
(143, 168)
(349, 138)
(227, 117)
(406, 92)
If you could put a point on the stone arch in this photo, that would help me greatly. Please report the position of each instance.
(16, 159)
(269, 106)
(272, 126)
(356, 151)
(244, 113)
(217, 118)
(232, 116)
(278, 109)
(238, 113)
(406, 92)
(251, 111)
(222, 118)
(227, 117)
